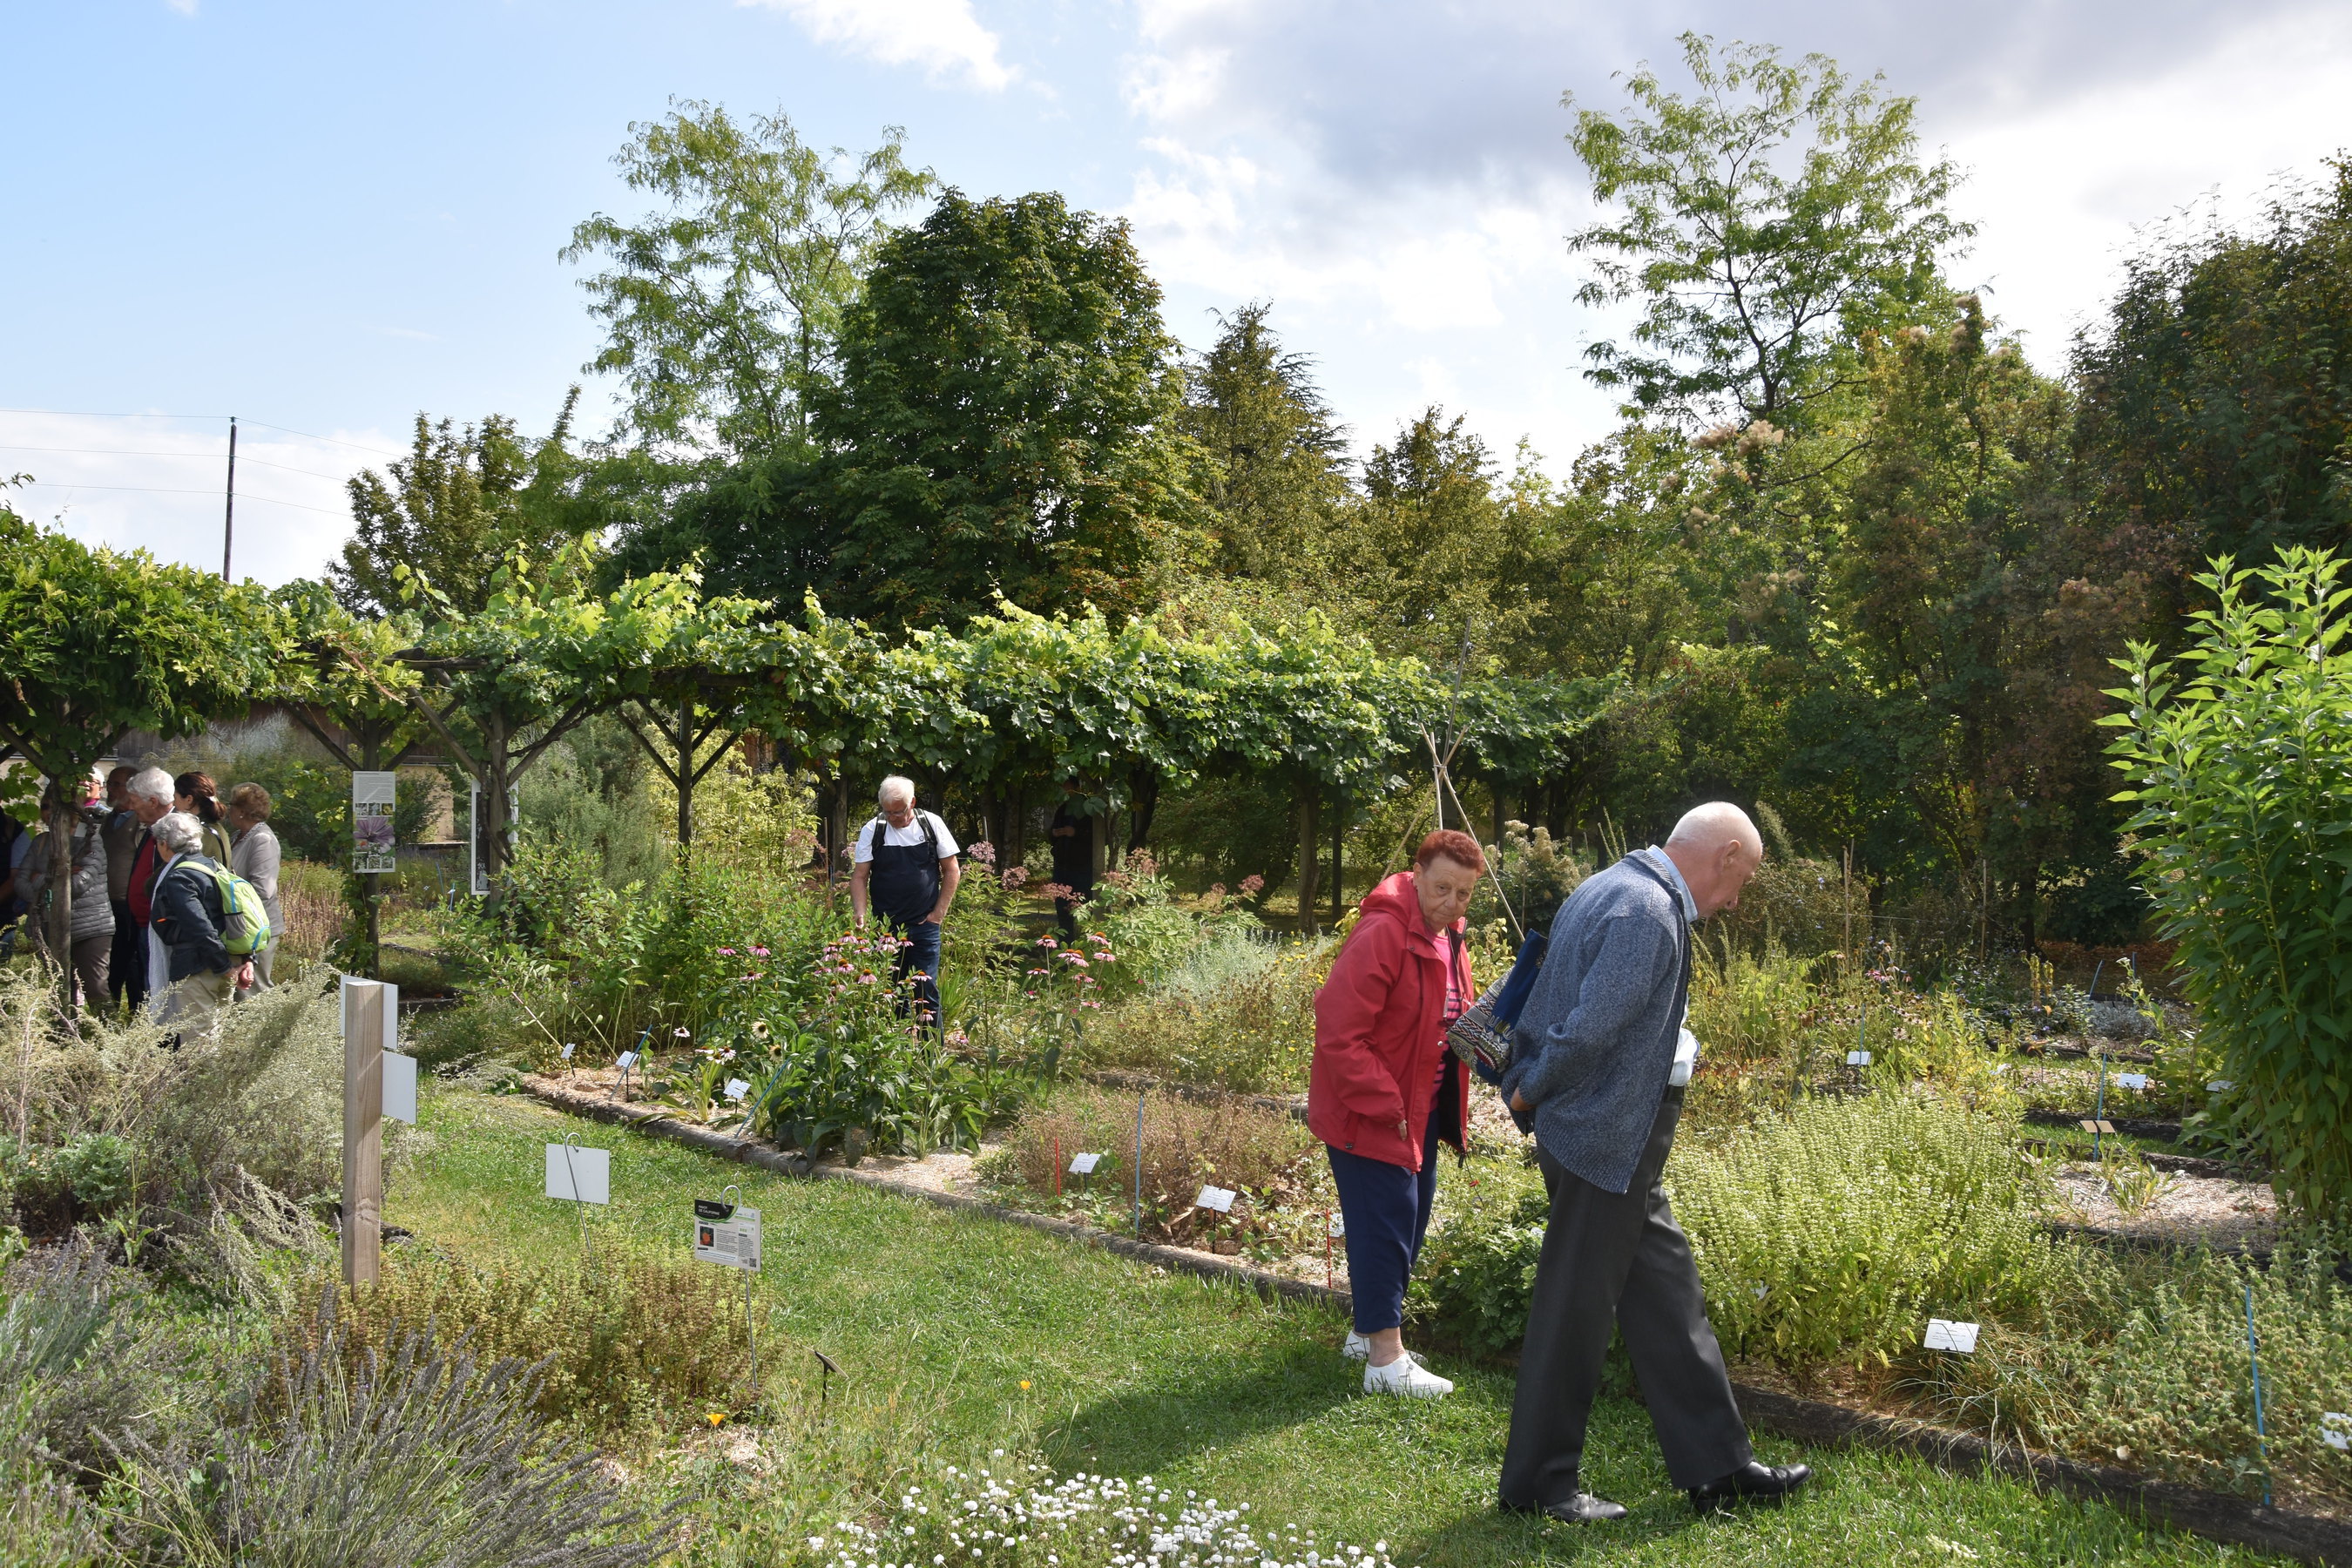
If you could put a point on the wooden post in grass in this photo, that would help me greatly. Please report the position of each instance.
(363, 1009)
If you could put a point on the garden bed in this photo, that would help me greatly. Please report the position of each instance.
(2312, 1537)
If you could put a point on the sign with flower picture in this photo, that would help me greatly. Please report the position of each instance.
(372, 795)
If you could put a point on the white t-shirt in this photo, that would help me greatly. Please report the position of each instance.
(906, 837)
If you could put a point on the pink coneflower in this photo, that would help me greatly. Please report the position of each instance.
(726, 952)
(758, 952)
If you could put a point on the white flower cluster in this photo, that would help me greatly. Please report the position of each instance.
(972, 1519)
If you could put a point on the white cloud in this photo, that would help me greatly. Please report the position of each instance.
(185, 8)
(943, 36)
(2065, 190)
(159, 484)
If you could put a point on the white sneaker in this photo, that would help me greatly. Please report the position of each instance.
(1355, 1347)
(1406, 1377)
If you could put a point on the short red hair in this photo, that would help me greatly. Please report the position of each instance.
(1453, 845)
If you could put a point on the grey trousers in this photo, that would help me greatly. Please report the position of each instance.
(1614, 1261)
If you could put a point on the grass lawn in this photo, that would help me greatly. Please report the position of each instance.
(958, 1336)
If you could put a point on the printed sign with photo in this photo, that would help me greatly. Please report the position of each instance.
(372, 795)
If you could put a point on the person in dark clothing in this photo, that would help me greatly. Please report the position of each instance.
(201, 976)
(1603, 1057)
(906, 869)
(1073, 832)
(122, 833)
(92, 921)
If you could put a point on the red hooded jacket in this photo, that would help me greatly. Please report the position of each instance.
(1379, 1031)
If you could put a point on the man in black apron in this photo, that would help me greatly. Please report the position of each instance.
(906, 868)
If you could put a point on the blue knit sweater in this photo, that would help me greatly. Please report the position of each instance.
(1596, 1041)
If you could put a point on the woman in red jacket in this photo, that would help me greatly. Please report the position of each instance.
(1385, 1091)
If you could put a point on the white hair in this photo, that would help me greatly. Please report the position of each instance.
(896, 787)
(151, 784)
(178, 832)
(1705, 826)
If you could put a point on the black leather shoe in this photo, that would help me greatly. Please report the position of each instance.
(1751, 1482)
(1581, 1509)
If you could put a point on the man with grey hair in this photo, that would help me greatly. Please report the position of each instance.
(187, 957)
(147, 798)
(1600, 1063)
(905, 863)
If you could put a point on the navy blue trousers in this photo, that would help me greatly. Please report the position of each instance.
(1386, 1210)
(920, 958)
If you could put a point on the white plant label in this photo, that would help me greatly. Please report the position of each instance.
(726, 1233)
(400, 1086)
(1084, 1164)
(2336, 1431)
(579, 1175)
(1942, 1334)
(1857, 1058)
(2219, 1086)
(736, 1088)
(1219, 1199)
(1338, 1227)
(628, 1060)
(567, 1053)
(2131, 1081)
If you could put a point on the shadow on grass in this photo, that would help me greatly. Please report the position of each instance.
(1213, 1403)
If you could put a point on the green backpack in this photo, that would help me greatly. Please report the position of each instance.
(244, 924)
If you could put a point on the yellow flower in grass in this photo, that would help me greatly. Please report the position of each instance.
(717, 1417)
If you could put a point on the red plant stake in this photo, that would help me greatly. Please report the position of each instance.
(1326, 1249)
(1057, 1165)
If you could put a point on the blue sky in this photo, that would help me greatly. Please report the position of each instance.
(325, 219)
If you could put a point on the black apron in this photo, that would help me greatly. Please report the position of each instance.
(903, 881)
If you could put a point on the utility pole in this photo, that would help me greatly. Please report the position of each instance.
(228, 518)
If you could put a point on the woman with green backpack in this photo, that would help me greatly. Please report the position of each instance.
(204, 928)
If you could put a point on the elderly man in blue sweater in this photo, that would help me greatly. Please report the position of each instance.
(1600, 1061)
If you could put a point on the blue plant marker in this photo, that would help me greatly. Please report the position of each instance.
(2093, 993)
(2255, 1360)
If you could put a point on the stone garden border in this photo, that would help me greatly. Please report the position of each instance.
(2310, 1538)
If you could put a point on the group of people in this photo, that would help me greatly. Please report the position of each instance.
(1601, 1056)
(147, 922)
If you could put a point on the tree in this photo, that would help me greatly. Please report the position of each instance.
(722, 308)
(1753, 272)
(463, 501)
(1005, 421)
(2217, 397)
(1426, 541)
(94, 643)
(1273, 469)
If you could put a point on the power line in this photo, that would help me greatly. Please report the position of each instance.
(207, 457)
(171, 491)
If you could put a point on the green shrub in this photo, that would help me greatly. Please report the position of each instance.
(1237, 1012)
(1833, 1234)
(2241, 765)
(1478, 1270)
(630, 1345)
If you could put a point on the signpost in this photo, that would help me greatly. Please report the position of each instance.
(367, 1005)
(728, 1233)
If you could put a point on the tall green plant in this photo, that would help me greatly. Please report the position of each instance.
(2241, 753)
